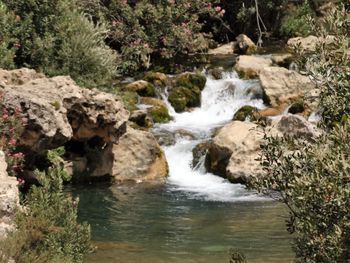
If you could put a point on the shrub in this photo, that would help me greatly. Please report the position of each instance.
(54, 37)
(47, 229)
(295, 21)
(10, 130)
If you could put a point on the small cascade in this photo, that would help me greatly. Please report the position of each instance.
(220, 100)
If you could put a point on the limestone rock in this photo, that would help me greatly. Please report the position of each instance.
(234, 150)
(244, 45)
(250, 66)
(283, 59)
(157, 110)
(281, 85)
(9, 198)
(142, 88)
(297, 126)
(138, 157)
(56, 110)
(308, 43)
(226, 49)
(141, 118)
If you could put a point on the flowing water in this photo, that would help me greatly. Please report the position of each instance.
(195, 216)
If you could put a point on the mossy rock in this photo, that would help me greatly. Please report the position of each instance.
(157, 78)
(297, 107)
(198, 152)
(129, 98)
(182, 97)
(158, 111)
(160, 114)
(191, 80)
(245, 112)
(142, 88)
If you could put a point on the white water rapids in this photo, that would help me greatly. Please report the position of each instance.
(220, 100)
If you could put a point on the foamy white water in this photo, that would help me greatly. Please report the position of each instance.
(220, 100)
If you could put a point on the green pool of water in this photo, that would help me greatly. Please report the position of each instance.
(150, 224)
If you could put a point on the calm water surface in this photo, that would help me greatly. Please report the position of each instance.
(149, 224)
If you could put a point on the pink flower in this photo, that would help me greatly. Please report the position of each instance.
(13, 141)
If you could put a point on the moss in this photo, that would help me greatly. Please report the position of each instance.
(157, 78)
(243, 113)
(142, 88)
(129, 98)
(191, 80)
(183, 97)
(297, 107)
(160, 114)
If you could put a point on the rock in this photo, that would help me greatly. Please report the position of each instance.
(282, 60)
(244, 45)
(234, 151)
(199, 152)
(297, 126)
(156, 78)
(249, 67)
(130, 99)
(217, 72)
(56, 110)
(159, 111)
(308, 43)
(297, 107)
(271, 111)
(141, 118)
(142, 88)
(281, 85)
(244, 112)
(164, 137)
(187, 91)
(226, 49)
(138, 157)
(19, 76)
(9, 198)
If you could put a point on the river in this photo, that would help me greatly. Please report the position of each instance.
(195, 216)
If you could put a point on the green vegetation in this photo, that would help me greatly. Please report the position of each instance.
(245, 112)
(312, 178)
(47, 228)
(160, 114)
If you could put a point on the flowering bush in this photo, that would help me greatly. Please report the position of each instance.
(10, 129)
(154, 29)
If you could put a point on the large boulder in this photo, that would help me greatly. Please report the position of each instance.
(244, 45)
(308, 43)
(249, 67)
(9, 198)
(281, 85)
(234, 151)
(138, 157)
(56, 110)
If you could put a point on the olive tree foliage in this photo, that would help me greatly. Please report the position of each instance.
(313, 177)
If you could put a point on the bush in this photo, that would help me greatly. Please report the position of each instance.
(47, 229)
(312, 179)
(55, 38)
(295, 21)
(148, 29)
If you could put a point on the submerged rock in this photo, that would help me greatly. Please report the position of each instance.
(249, 67)
(199, 152)
(281, 85)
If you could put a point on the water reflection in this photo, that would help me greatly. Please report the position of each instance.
(146, 223)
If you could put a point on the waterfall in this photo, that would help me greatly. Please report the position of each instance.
(220, 100)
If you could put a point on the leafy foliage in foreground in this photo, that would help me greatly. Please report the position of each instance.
(313, 178)
(47, 228)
